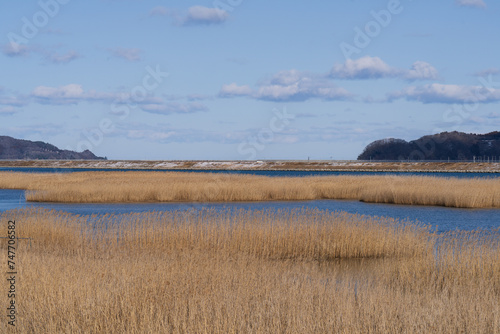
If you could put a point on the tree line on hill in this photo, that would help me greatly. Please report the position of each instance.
(453, 146)
(18, 149)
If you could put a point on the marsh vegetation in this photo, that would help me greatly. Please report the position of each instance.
(127, 187)
(300, 271)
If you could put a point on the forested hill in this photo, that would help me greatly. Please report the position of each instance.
(13, 149)
(443, 146)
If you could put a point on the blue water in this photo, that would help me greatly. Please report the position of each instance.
(441, 218)
(252, 172)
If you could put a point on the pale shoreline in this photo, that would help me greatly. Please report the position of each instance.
(263, 165)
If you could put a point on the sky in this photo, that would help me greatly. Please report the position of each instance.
(245, 80)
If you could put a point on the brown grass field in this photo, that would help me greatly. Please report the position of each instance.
(300, 271)
(109, 187)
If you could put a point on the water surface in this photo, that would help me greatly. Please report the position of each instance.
(443, 219)
(253, 172)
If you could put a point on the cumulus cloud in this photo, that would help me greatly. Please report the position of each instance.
(130, 54)
(205, 16)
(291, 85)
(421, 70)
(363, 68)
(439, 93)
(471, 3)
(375, 68)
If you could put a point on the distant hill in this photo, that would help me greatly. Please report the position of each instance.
(443, 146)
(14, 149)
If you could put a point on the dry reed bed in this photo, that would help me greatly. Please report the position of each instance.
(246, 271)
(106, 187)
(298, 234)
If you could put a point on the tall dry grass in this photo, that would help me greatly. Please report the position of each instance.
(103, 187)
(250, 272)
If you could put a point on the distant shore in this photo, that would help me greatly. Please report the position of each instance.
(290, 165)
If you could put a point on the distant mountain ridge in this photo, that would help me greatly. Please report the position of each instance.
(16, 149)
(443, 146)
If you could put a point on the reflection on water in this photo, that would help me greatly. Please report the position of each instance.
(444, 219)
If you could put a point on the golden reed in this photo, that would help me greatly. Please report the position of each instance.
(107, 187)
(243, 271)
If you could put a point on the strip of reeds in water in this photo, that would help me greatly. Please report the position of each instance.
(113, 187)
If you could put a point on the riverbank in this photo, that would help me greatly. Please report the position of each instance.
(324, 165)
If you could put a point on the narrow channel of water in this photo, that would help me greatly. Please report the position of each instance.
(288, 173)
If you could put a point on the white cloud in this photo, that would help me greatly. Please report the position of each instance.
(375, 68)
(439, 93)
(363, 68)
(74, 93)
(233, 90)
(130, 54)
(69, 93)
(294, 85)
(291, 85)
(421, 70)
(205, 15)
(471, 3)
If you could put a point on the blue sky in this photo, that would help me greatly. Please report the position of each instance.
(240, 79)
